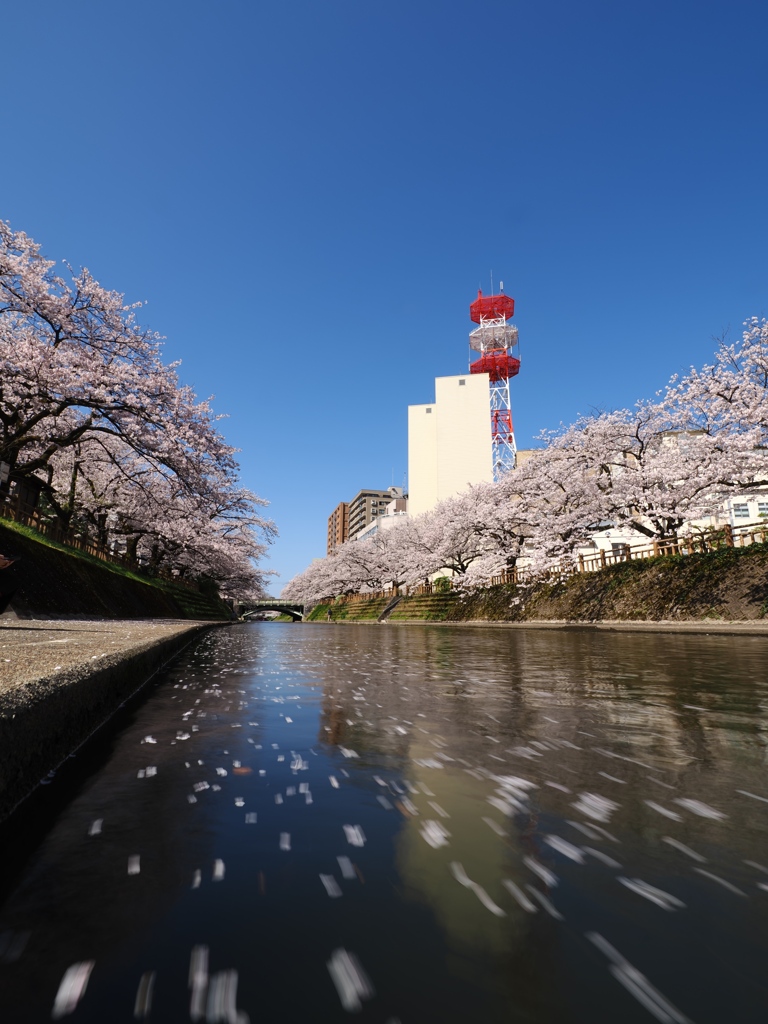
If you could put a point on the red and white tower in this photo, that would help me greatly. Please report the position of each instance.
(494, 339)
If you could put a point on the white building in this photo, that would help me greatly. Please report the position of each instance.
(745, 510)
(449, 441)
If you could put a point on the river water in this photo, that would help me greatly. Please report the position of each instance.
(407, 824)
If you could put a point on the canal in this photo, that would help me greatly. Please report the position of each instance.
(407, 824)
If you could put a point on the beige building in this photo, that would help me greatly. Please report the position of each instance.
(449, 441)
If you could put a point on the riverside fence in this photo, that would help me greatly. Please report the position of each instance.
(692, 543)
(77, 537)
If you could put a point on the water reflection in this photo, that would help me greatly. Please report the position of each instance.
(414, 823)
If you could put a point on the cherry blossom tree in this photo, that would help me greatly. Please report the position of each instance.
(649, 470)
(727, 401)
(92, 418)
(75, 362)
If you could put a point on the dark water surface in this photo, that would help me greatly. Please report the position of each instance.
(413, 824)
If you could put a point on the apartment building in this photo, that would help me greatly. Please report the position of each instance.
(338, 526)
(393, 514)
(349, 518)
(368, 505)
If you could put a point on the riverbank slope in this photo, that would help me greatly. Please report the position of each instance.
(728, 585)
(49, 580)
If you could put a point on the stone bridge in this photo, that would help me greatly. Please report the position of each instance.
(247, 609)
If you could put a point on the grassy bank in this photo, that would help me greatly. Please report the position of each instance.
(728, 585)
(49, 579)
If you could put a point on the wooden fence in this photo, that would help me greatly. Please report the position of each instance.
(11, 507)
(686, 544)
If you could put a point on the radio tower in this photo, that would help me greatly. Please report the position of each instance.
(493, 339)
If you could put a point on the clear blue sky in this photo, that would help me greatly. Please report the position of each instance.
(308, 195)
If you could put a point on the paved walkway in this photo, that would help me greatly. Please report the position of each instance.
(33, 649)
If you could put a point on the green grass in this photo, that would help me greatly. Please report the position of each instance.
(40, 538)
(421, 608)
(192, 602)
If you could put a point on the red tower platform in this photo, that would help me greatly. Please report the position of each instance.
(494, 338)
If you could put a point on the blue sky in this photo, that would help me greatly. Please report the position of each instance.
(309, 194)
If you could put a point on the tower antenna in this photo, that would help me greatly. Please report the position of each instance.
(494, 339)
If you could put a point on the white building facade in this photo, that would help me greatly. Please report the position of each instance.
(449, 441)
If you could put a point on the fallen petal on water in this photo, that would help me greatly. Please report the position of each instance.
(567, 849)
(599, 855)
(684, 849)
(142, 1007)
(595, 806)
(351, 981)
(458, 872)
(754, 796)
(548, 906)
(548, 877)
(72, 988)
(494, 826)
(355, 835)
(347, 867)
(703, 810)
(222, 1000)
(433, 833)
(637, 984)
(721, 881)
(519, 895)
(662, 899)
(672, 815)
(198, 981)
(332, 887)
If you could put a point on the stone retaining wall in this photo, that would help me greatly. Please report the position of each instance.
(44, 721)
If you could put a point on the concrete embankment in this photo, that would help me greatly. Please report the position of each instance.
(61, 680)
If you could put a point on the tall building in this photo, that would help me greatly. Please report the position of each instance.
(338, 526)
(369, 505)
(466, 435)
(449, 441)
(349, 518)
(392, 515)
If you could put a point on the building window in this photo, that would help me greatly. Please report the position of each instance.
(741, 511)
(462, 382)
(762, 508)
(428, 410)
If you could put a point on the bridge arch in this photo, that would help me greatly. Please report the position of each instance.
(296, 611)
